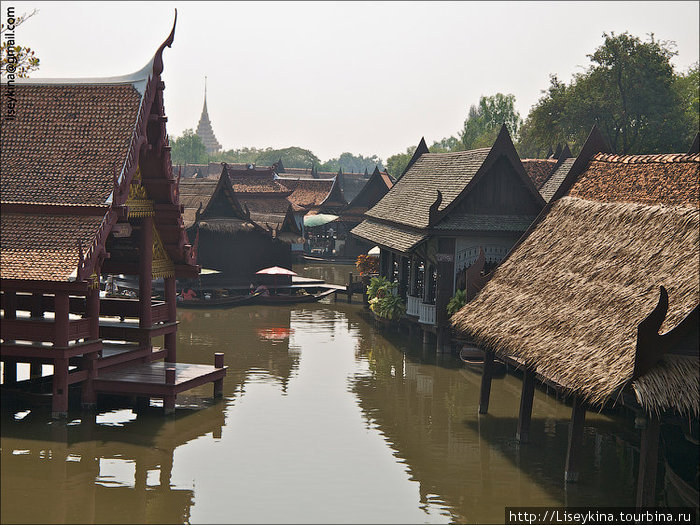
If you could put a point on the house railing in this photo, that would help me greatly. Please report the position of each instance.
(426, 313)
(413, 305)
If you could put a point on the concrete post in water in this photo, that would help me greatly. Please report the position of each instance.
(648, 462)
(525, 414)
(486, 376)
(573, 451)
(219, 383)
(169, 401)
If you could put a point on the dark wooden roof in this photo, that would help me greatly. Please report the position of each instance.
(398, 238)
(551, 185)
(375, 188)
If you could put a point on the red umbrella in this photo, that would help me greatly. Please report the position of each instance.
(275, 271)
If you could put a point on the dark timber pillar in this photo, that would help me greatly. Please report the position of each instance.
(403, 276)
(525, 414)
(145, 272)
(578, 417)
(444, 290)
(413, 277)
(9, 367)
(648, 462)
(37, 312)
(169, 400)
(486, 376)
(87, 393)
(59, 401)
(171, 300)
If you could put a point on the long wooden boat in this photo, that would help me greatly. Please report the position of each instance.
(220, 302)
(291, 299)
(474, 358)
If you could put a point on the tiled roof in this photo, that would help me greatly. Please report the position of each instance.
(44, 247)
(308, 192)
(66, 141)
(254, 183)
(265, 210)
(192, 193)
(539, 170)
(392, 236)
(501, 223)
(409, 201)
(551, 185)
(671, 180)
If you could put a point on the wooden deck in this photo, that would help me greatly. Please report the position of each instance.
(160, 379)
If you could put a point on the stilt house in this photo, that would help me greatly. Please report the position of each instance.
(441, 214)
(600, 297)
(87, 190)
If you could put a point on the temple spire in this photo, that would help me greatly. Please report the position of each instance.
(204, 129)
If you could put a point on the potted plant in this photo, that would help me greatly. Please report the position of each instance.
(385, 304)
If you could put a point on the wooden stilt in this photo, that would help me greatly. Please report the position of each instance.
(37, 305)
(525, 414)
(9, 367)
(59, 400)
(145, 272)
(578, 417)
(350, 288)
(170, 339)
(169, 401)
(87, 394)
(486, 376)
(219, 384)
(648, 463)
(35, 369)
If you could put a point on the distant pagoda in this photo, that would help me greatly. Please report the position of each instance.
(204, 129)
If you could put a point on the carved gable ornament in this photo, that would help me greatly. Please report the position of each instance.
(138, 203)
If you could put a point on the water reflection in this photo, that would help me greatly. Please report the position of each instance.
(324, 419)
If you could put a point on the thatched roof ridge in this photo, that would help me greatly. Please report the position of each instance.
(569, 298)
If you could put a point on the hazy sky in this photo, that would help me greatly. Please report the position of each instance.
(365, 77)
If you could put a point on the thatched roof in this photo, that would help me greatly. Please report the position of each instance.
(569, 298)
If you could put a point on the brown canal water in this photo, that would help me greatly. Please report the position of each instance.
(324, 419)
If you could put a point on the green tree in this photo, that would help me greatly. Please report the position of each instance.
(16, 61)
(397, 163)
(188, 149)
(485, 120)
(446, 145)
(292, 157)
(629, 91)
(239, 156)
(350, 163)
(687, 87)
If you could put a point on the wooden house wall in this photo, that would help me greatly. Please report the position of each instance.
(239, 255)
(500, 191)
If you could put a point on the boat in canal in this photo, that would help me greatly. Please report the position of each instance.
(217, 302)
(282, 299)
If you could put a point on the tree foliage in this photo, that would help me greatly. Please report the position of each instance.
(629, 91)
(397, 163)
(292, 157)
(188, 149)
(16, 61)
(485, 120)
(350, 163)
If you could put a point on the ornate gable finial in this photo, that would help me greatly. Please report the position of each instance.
(433, 210)
(158, 59)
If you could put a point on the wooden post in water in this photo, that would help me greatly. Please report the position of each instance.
(170, 339)
(169, 401)
(37, 312)
(486, 376)
(648, 462)
(219, 383)
(145, 272)
(350, 288)
(525, 414)
(573, 451)
(59, 400)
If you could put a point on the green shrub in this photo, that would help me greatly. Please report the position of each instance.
(383, 299)
(457, 302)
